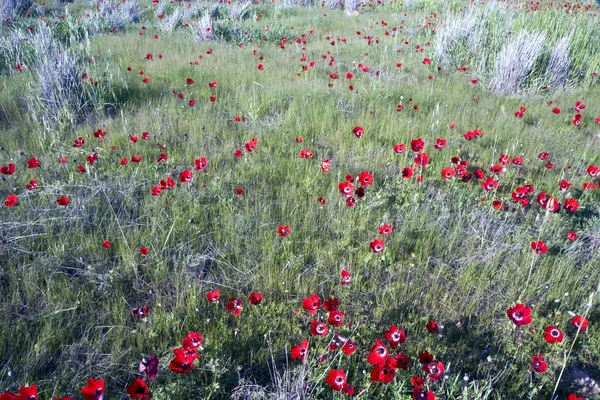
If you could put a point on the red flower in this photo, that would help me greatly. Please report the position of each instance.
(189, 81)
(417, 145)
(213, 84)
(11, 200)
(25, 393)
(425, 357)
(255, 298)
(377, 245)
(261, 67)
(395, 336)
(318, 328)
(139, 390)
(434, 370)
(149, 367)
(192, 341)
(490, 184)
(212, 99)
(213, 296)
(106, 244)
(579, 322)
(238, 153)
(200, 164)
(422, 159)
(358, 131)
(592, 170)
(192, 103)
(136, 159)
(556, 110)
(549, 203)
(183, 361)
(432, 327)
(331, 304)
(322, 200)
(336, 379)
(306, 153)
(448, 173)
(300, 351)
(571, 236)
(538, 364)
(234, 305)
(63, 201)
(571, 205)
(140, 311)
(378, 353)
(156, 191)
(186, 176)
(335, 318)
(384, 372)
(345, 188)
(325, 164)
(78, 142)
(539, 247)
(426, 61)
(399, 148)
(283, 230)
(33, 163)
(553, 335)
(574, 397)
(31, 185)
(239, 191)
(407, 173)
(519, 314)
(385, 229)
(348, 348)
(440, 143)
(251, 145)
(365, 178)
(311, 304)
(144, 251)
(94, 389)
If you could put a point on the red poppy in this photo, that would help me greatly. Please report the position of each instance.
(365, 178)
(192, 341)
(139, 390)
(325, 164)
(592, 171)
(78, 142)
(553, 335)
(395, 336)
(255, 298)
(213, 84)
(238, 153)
(384, 372)
(385, 229)
(311, 304)
(94, 390)
(407, 173)
(200, 164)
(149, 367)
(448, 173)
(571, 396)
(519, 314)
(518, 160)
(11, 200)
(346, 188)
(358, 131)
(539, 247)
(336, 318)
(33, 163)
(336, 379)
(189, 81)
(212, 99)
(331, 304)
(144, 251)
(490, 184)
(31, 185)
(186, 176)
(322, 200)
(571, 205)
(261, 67)
(318, 328)
(571, 236)
(234, 305)
(579, 322)
(183, 362)
(417, 145)
(399, 148)
(191, 103)
(432, 327)
(306, 153)
(440, 143)
(549, 203)
(300, 351)
(213, 296)
(422, 159)
(283, 230)
(378, 353)
(377, 245)
(63, 201)
(401, 361)
(556, 110)
(400, 108)
(136, 159)
(538, 364)
(348, 348)
(425, 357)
(419, 393)
(434, 370)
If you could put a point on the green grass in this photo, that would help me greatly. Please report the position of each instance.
(65, 301)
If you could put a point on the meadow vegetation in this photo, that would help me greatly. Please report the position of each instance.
(154, 151)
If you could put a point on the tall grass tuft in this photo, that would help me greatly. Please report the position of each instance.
(515, 61)
(9, 9)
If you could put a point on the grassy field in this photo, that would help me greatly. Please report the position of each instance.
(110, 100)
